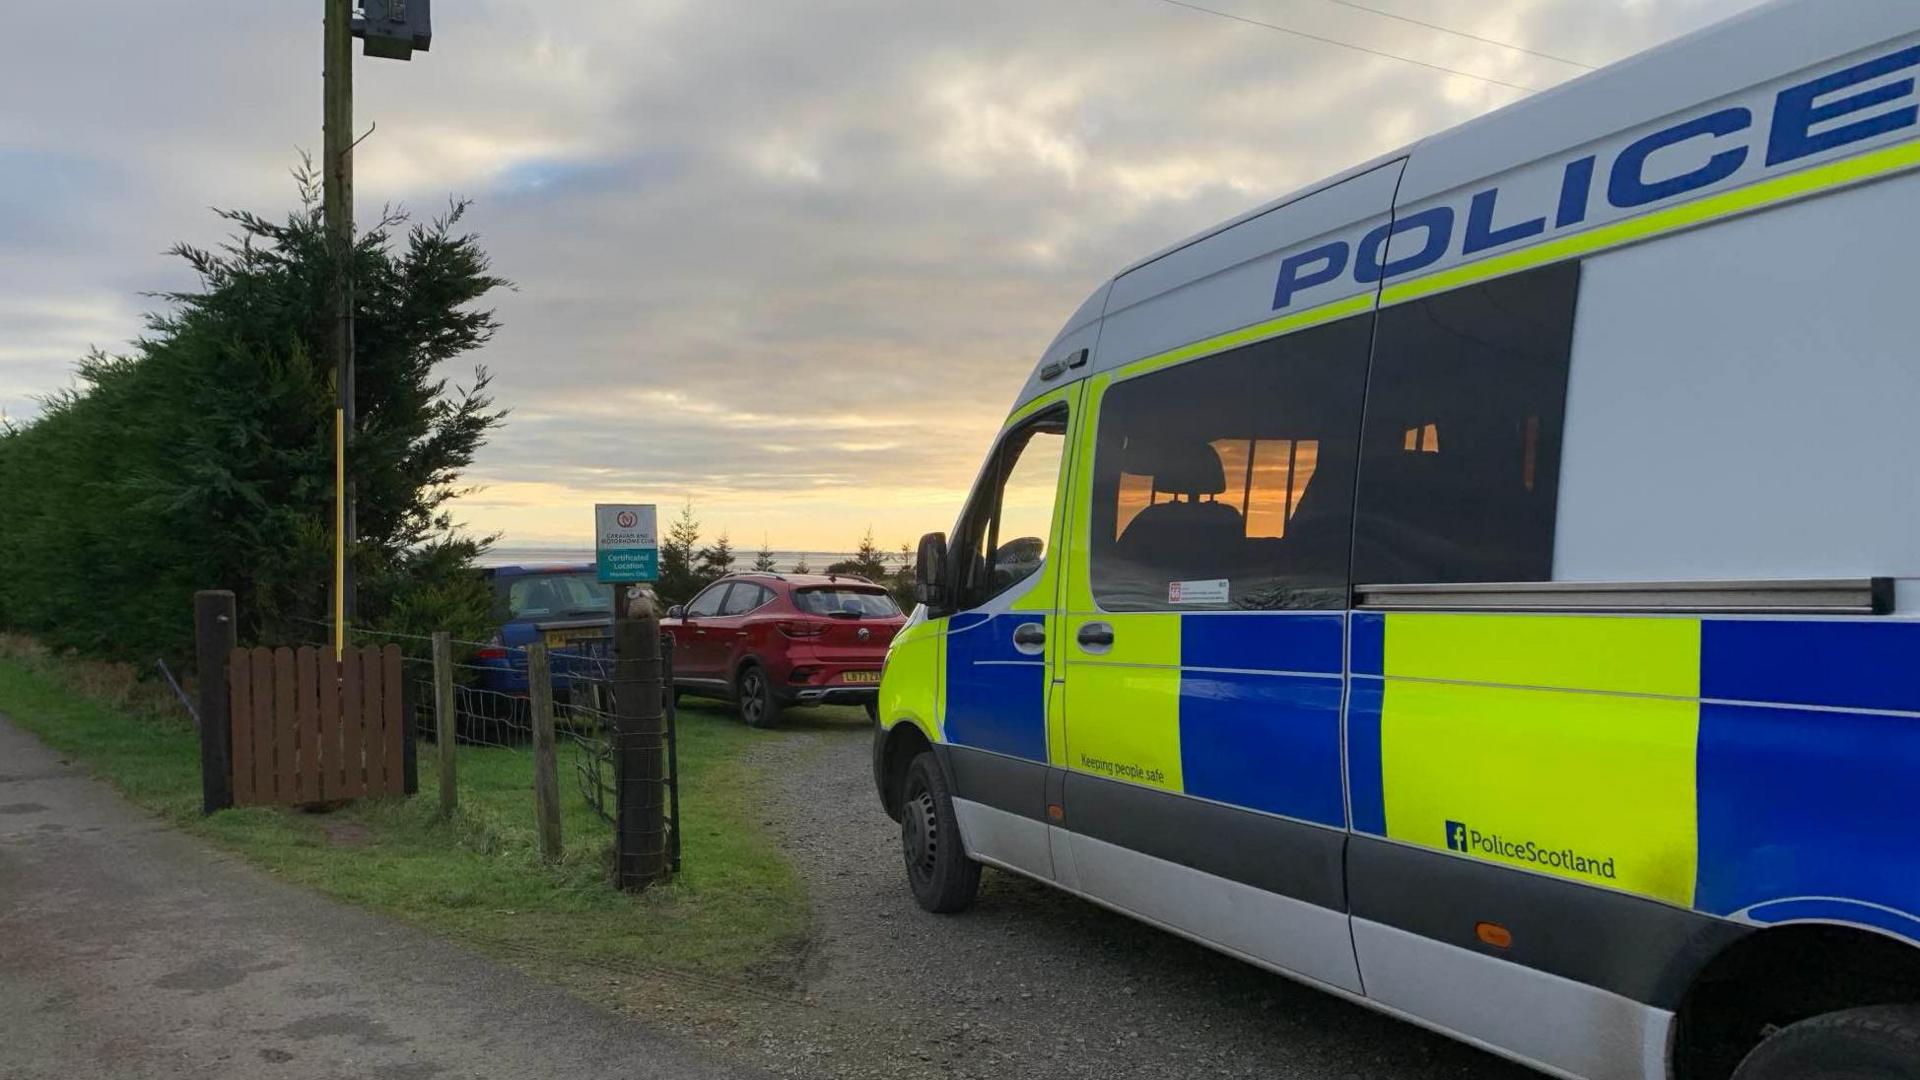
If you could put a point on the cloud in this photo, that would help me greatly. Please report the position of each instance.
(791, 260)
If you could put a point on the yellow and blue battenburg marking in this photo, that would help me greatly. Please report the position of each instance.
(1259, 714)
(1237, 708)
(995, 695)
(1752, 768)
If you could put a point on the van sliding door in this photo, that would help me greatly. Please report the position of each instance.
(1206, 610)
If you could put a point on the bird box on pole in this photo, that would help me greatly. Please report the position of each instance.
(393, 29)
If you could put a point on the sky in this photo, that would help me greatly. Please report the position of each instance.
(789, 260)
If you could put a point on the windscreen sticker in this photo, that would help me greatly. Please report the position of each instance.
(1197, 592)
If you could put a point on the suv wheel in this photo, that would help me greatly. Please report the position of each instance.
(753, 694)
(943, 879)
(1877, 1043)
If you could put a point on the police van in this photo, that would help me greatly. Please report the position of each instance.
(1486, 585)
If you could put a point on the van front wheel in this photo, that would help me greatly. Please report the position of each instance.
(943, 879)
(1877, 1043)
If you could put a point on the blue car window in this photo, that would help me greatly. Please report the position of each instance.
(557, 596)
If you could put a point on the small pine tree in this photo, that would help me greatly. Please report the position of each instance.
(801, 566)
(715, 561)
(904, 579)
(678, 580)
(763, 562)
(869, 561)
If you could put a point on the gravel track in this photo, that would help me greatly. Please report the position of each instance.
(1030, 982)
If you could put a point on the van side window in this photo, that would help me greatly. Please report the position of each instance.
(1227, 482)
(1460, 460)
(1004, 535)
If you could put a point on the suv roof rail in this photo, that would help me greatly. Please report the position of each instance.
(753, 573)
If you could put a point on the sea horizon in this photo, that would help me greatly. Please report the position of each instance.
(540, 554)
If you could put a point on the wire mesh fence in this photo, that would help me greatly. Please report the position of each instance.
(604, 750)
(494, 709)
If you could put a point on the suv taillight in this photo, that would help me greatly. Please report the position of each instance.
(796, 629)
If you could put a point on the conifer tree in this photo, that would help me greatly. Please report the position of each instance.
(716, 561)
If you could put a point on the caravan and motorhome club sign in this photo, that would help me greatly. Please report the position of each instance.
(626, 542)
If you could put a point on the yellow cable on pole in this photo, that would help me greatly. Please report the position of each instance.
(337, 157)
(339, 533)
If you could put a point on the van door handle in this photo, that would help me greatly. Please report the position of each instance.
(1030, 638)
(1096, 637)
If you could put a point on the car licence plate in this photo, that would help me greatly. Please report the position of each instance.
(560, 639)
(860, 677)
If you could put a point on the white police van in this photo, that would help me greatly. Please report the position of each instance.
(1486, 585)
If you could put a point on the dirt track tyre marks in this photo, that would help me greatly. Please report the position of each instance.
(1029, 984)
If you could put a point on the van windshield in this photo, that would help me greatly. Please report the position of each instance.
(846, 602)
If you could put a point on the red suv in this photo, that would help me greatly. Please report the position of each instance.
(767, 641)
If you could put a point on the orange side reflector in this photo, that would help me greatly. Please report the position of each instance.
(1495, 935)
(1056, 812)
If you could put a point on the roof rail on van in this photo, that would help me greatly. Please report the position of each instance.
(1839, 596)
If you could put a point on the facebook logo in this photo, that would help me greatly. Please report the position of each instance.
(1456, 836)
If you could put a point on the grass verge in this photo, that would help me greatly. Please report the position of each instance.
(737, 906)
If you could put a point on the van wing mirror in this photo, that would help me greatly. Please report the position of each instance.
(930, 571)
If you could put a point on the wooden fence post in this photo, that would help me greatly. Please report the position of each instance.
(639, 743)
(214, 638)
(546, 770)
(409, 750)
(443, 720)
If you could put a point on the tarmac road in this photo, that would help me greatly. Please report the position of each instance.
(128, 950)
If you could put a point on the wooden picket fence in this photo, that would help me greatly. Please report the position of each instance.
(308, 729)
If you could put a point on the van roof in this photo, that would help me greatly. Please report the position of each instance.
(1747, 49)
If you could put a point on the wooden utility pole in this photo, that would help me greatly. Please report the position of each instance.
(337, 175)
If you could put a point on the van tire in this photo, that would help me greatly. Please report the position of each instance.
(753, 696)
(1881, 1042)
(943, 879)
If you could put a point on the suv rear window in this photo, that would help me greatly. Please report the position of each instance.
(543, 596)
(845, 602)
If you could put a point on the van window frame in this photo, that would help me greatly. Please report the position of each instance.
(1397, 522)
(1088, 469)
(992, 484)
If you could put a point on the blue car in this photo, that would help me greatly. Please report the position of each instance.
(563, 606)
